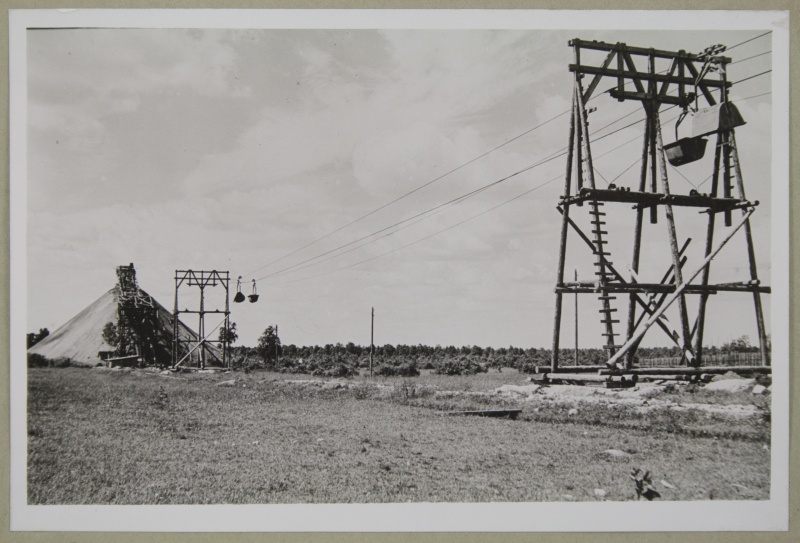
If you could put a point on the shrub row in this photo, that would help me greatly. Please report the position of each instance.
(36, 360)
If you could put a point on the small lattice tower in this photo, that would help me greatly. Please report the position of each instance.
(198, 351)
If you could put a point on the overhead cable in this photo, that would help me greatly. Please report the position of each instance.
(460, 167)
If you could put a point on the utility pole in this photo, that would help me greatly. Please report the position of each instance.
(277, 339)
(371, 341)
(576, 320)
(201, 329)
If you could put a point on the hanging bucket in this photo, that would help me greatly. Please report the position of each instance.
(685, 150)
(717, 118)
(239, 298)
(254, 296)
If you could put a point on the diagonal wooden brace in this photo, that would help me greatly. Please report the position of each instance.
(593, 85)
(668, 278)
(644, 305)
(654, 318)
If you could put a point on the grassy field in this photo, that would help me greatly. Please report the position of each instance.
(134, 437)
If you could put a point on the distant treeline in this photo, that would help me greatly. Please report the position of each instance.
(343, 360)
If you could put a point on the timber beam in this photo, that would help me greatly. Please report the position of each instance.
(683, 370)
(644, 51)
(665, 99)
(647, 199)
(586, 287)
(636, 75)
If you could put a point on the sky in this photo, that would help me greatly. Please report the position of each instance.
(253, 151)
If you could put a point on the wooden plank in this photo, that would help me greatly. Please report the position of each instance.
(497, 413)
(644, 76)
(591, 377)
(659, 53)
(646, 288)
(647, 199)
(684, 370)
(642, 96)
(569, 369)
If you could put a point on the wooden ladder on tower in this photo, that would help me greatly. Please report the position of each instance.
(603, 272)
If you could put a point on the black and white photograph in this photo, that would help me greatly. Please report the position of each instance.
(308, 270)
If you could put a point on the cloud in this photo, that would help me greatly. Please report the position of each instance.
(121, 64)
(234, 149)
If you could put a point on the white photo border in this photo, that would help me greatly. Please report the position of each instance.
(766, 515)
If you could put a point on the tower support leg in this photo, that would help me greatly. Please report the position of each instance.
(751, 255)
(673, 243)
(637, 244)
(703, 302)
(563, 239)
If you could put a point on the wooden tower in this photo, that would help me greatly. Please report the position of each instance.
(697, 84)
(201, 347)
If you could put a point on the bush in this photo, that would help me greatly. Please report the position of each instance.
(527, 367)
(404, 370)
(335, 370)
(62, 362)
(38, 361)
(461, 366)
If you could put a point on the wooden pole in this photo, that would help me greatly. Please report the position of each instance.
(637, 238)
(703, 302)
(371, 341)
(202, 328)
(652, 112)
(673, 243)
(637, 229)
(576, 320)
(564, 228)
(579, 135)
(226, 345)
(175, 327)
(276, 343)
(751, 254)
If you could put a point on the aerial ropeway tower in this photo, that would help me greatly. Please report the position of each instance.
(696, 83)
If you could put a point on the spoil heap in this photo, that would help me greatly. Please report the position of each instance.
(82, 340)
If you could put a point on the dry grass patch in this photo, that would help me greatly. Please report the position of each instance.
(104, 437)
